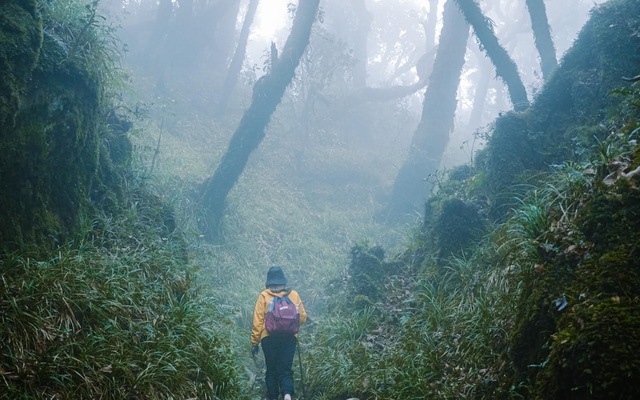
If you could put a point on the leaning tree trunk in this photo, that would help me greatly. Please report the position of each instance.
(505, 67)
(542, 36)
(430, 139)
(267, 94)
(238, 57)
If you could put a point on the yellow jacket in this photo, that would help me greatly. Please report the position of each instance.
(264, 298)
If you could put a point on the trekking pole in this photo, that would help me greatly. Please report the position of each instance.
(259, 366)
(304, 392)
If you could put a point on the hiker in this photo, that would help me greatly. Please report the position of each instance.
(278, 343)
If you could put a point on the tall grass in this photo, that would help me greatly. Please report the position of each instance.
(442, 336)
(452, 336)
(116, 314)
(86, 39)
(340, 358)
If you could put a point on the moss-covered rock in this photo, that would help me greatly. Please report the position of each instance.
(456, 227)
(367, 274)
(58, 149)
(511, 149)
(578, 330)
(594, 353)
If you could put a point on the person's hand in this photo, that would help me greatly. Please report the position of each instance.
(255, 349)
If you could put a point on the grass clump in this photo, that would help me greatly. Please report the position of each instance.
(117, 314)
(438, 333)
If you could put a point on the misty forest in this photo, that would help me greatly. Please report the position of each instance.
(452, 187)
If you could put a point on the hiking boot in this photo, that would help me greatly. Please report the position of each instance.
(287, 397)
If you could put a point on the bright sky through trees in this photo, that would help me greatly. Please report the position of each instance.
(272, 15)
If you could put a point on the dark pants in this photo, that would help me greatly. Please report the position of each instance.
(278, 356)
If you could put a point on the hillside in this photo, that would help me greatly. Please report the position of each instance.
(523, 281)
(519, 281)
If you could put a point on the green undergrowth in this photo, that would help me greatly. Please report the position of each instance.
(99, 294)
(117, 313)
(578, 311)
(545, 306)
(505, 291)
(431, 329)
(523, 280)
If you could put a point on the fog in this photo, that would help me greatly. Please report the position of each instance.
(395, 42)
(328, 170)
(399, 22)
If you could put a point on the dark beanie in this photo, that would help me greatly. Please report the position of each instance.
(275, 276)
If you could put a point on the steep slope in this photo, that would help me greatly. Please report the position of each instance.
(565, 119)
(523, 282)
(62, 146)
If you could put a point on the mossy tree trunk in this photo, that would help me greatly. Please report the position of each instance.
(430, 139)
(267, 94)
(238, 57)
(506, 68)
(542, 36)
